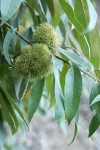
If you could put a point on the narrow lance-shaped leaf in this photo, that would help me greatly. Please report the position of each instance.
(36, 5)
(13, 104)
(87, 15)
(59, 110)
(9, 45)
(55, 10)
(32, 14)
(70, 14)
(36, 93)
(82, 42)
(72, 91)
(2, 137)
(6, 114)
(93, 17)
(95, 123)
(84, 17)
(10, 109)
(74, 57)
(75, 132)
(94, 93)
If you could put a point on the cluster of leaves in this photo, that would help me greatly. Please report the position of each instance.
(64, 86)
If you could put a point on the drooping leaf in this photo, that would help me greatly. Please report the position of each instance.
(3, 70)
(9, 45)
(70, 14)
(95, 123)
(59, 110)
(82, 42)
(72, 91)
(10, 109)
(62, 29)
(32, 14)
(55, 10)
(2, 135)
(84, 17)
(94, 93)
(94, 47)
(75, 132)
(7, 115)
(87, 15)
(13, 103)
(44, 6)
(36, 93)
(37, 7)
(8, 8)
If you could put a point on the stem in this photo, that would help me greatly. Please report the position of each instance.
(17, 33)
(88, 74)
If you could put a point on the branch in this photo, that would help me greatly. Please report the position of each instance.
(65, 61)
(88, 74)
(17, 33)
(91, 76)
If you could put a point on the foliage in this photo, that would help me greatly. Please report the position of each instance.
(18, 22)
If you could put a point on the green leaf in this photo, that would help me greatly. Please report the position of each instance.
(55, 10)
(97, 99)
(82, 42)
(94, 93)
(8, 8)
(10, 109)
(70, 14)
(36, 5)
(36, 93)
(49, 82)
(84, 17)
(32, 14)
(9, 45)
(75, 132)
(93, 17)
(59, 110)
(72, 91)
(94, 47)
(6, 114)
(44, 6)
(2, 137)
(62, 29)
(87, 15)
(3, 70)
(13, 104)
(74, 57)
(95, 122)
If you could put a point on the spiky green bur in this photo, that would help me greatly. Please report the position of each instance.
(46, 34)
(35, 60)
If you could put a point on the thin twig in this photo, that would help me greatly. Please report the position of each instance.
(88, 74)
(17, 33)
